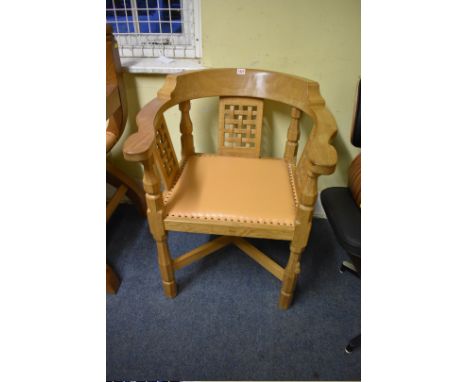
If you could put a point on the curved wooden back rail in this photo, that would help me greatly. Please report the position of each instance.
(151, 145)
(300, 93)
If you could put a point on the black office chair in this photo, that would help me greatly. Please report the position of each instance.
(343, 208)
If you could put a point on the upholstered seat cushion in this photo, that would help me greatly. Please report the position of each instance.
(249, 190)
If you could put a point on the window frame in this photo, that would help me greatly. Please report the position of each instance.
(158, 59)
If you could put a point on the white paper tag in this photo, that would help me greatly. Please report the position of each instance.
(240, 72)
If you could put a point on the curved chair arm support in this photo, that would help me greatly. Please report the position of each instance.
(137, 146)
(322, 153)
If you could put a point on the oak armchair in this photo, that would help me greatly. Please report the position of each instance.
(233, 193)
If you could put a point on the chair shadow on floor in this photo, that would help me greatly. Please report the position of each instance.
(117, 254)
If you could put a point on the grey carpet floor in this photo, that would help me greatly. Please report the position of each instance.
(224, 324)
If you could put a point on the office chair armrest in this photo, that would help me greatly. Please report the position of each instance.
(137, 146)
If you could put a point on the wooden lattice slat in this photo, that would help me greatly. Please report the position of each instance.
(165, 155)
(240, 126)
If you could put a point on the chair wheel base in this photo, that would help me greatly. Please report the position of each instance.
(353, 344)
(349, 349)
(346, 266)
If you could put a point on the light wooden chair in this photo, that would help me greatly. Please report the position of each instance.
(116, 115)
(233, 193)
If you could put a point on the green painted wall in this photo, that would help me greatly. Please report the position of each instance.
(316, 39)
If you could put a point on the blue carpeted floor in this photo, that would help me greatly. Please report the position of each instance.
(224, 324)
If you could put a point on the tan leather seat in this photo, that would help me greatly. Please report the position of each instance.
(249, 190)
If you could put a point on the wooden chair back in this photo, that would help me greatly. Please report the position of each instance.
(116, 109)
(239, 89)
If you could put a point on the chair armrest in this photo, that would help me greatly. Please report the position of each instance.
(137, 146)
(322, 154)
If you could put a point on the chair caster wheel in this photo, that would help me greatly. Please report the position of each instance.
(353, 344)
(349, 349)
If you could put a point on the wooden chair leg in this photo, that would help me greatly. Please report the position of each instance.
(116, 177)
(114, 202)
(291, 274)
(112, 281)
(166, 267)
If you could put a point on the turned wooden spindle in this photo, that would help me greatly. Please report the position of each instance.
(155, 212)
(186, 128)
(290, 151)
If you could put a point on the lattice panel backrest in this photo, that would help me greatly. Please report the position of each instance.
(164, 154)
(240, 126)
